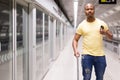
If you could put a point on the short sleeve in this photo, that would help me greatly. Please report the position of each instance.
(105, 26)
(79, 30)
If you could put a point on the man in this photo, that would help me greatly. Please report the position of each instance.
(92, 31)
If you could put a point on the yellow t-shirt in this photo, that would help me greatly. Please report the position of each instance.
(92, 39)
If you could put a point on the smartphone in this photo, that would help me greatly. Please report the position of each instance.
(102, 27)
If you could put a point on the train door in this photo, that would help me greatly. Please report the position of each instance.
(39, 44)
(22, 40)
(51, 46)
(58, 25)
(46, 53)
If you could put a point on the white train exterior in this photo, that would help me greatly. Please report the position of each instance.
(32, 34)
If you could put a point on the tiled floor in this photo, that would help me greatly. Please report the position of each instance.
(65, 67)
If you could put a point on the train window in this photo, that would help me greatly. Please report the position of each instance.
(4, 25)
(63, 33)
(46, 27)
(63, 29)
(19, 26)
(57, 28)
(58, 24)
(39, 26)
(5, 40)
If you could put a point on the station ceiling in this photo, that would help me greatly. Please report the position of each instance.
(110, 13)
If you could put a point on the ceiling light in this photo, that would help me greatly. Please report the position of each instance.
(111, 12)
(117, 8)
(115, 23)
(105, 14)
(75, 13)
(109, 24)
(101, 16)
(119, 21)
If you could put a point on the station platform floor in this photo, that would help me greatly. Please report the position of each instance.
(65, 66)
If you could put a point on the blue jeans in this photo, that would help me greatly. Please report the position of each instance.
(99, 63)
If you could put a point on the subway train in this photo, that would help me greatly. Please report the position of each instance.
(34, 32)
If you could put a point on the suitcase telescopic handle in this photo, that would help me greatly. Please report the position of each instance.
(77, 68)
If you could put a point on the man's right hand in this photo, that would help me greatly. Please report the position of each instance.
(77, 54)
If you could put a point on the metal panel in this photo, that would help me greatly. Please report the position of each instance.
(32, 43)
